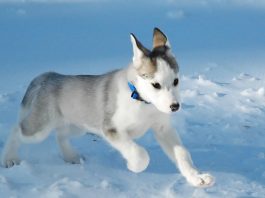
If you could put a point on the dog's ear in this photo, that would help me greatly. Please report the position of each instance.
(139, 51)
(159, 39)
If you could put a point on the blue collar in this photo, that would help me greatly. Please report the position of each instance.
(135, 95)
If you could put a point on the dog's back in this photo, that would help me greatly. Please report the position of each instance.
(54, 98)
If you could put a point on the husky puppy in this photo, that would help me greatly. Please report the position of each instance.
(118, 106)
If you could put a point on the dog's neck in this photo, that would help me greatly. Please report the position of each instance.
(131, 80)
(135, 95)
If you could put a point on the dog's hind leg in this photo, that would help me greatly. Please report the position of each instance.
(68, 152)
(33, 127)
(10, 152)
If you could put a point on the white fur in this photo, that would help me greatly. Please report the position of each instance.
(167, 95)
(137, 53)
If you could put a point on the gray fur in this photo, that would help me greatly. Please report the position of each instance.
(47, 92)
(163, 53)
(110, 96)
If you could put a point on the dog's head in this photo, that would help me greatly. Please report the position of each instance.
(157, 78)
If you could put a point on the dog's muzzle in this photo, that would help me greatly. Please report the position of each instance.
(174, 107)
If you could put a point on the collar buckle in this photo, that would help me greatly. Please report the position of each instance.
(135, 95)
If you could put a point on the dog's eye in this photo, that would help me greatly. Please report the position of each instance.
(156, 85)
(176, 82)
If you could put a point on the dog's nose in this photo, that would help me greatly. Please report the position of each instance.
(174, 107)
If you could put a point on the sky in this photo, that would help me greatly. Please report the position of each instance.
(79, 36)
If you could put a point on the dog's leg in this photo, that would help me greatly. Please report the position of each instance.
(32, 128)
(10, 152)
(136, 156)
(68, 152)
(171, 144)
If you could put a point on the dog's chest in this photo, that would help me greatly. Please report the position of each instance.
(133, 117)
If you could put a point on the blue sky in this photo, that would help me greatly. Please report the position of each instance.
(41, 35)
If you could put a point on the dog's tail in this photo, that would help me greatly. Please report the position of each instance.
(33, 89)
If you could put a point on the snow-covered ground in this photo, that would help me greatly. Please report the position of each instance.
(221, 53)
(222, 123)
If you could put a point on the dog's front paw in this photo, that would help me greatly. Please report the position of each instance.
(139, 160)
(201, 180)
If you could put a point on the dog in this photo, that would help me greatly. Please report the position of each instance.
(118, 106)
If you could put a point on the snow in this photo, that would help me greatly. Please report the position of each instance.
(222, 89)
(222, 124)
